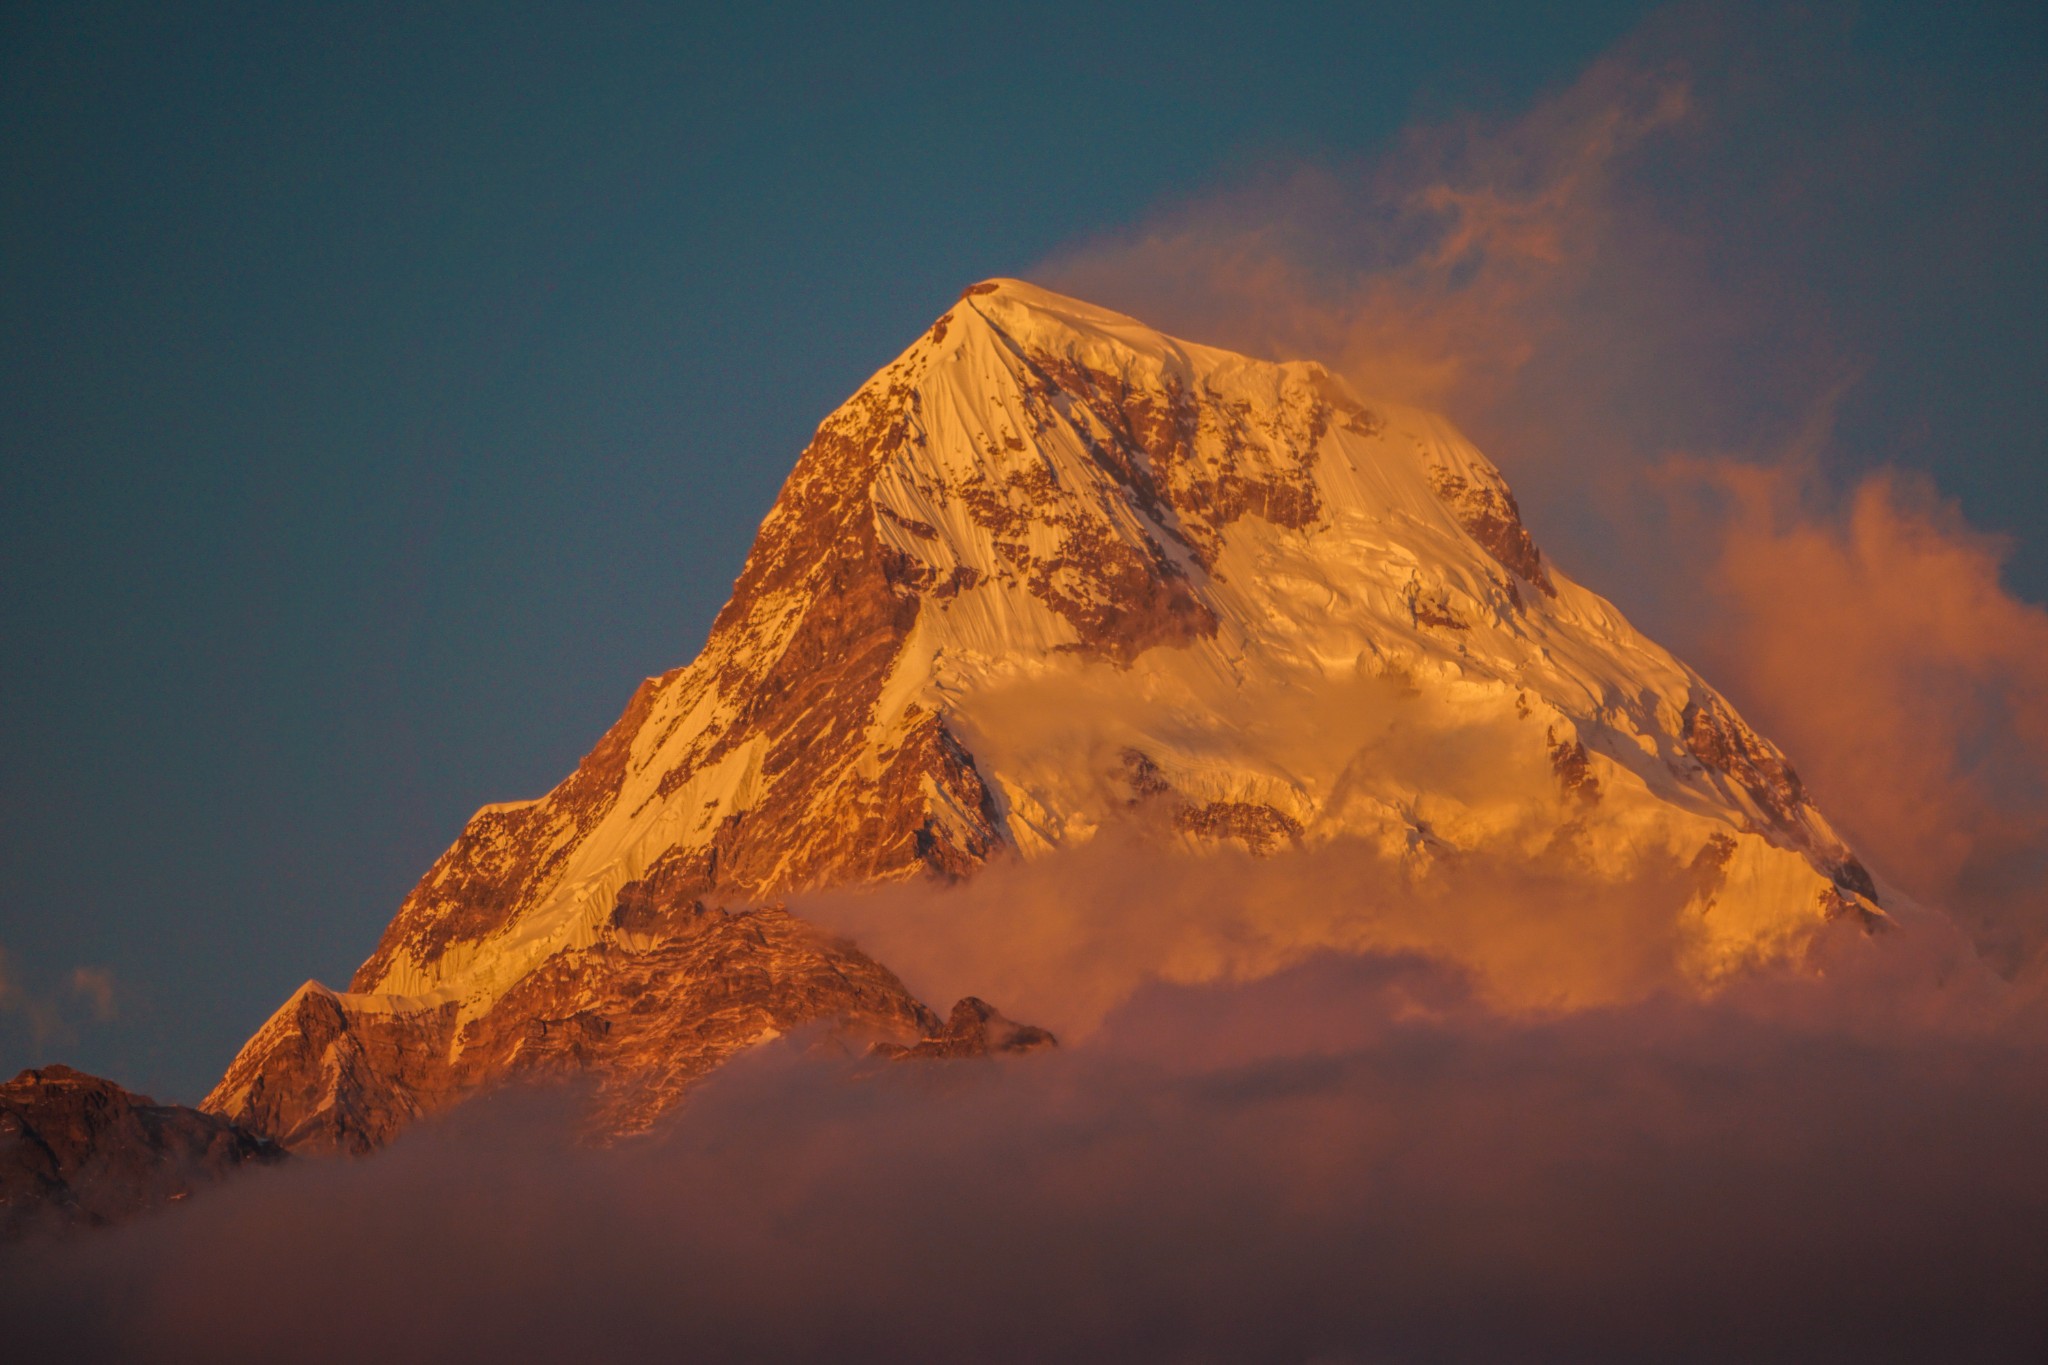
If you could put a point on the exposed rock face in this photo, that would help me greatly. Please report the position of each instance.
(1487, 510)
(1259, 828)
(1047, 571)
(78, 1150)
(975, 1028)
(670, 989)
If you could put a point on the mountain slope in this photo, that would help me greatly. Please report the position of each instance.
(1046, 570)
(76, 1150)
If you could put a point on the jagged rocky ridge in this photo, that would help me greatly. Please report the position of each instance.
(671, 989)
(1045, 568)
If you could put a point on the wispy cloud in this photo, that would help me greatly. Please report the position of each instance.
(43, 1021)
(95, 985)
(1432, 276)
(47, 1016)
(1664, 404)
(1870, 632)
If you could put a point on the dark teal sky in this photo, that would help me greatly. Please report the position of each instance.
(384, 390)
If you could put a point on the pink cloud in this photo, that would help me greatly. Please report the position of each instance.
(1536, 277)
(1354, 1158)
(1871, 634)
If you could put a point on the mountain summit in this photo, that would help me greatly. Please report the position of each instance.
(1047, 571)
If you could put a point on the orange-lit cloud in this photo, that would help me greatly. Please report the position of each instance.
(1432, 277)
(1874, 639)
(1353, 1159)
(1065, 940)
(1524, 275)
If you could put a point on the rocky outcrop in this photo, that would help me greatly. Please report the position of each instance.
(1259, 829)
(975, 1028)
(1487, 510)
(672, 987)
(76, 1150)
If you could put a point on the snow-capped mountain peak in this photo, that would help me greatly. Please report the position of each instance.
(1046, 567)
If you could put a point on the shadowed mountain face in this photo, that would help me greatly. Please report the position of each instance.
(78, 1150)
(1048, 572)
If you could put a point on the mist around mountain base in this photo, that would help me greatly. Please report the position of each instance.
(1258, 1154)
